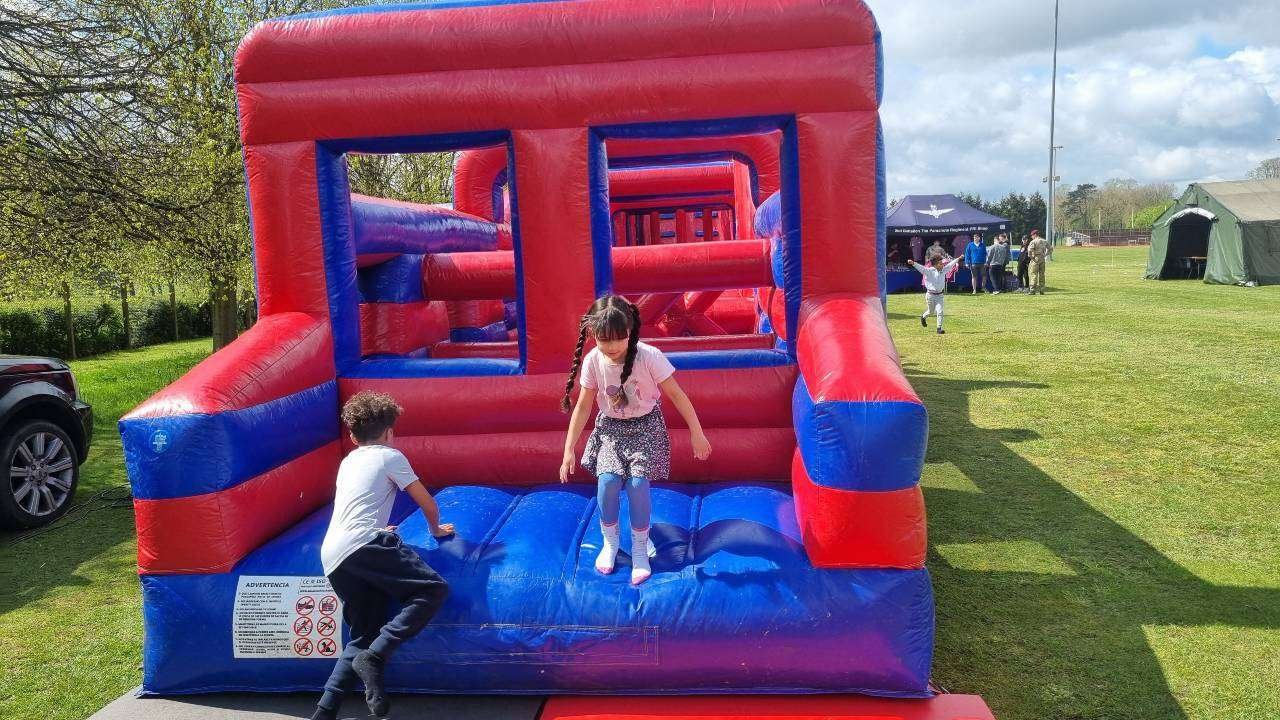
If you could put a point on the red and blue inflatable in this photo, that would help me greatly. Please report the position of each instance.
(731, 181)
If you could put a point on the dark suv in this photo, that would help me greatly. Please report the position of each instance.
(44, 436)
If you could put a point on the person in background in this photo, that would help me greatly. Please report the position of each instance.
(935, 285)
(975, 256)
(957, 246)
(997, 259)
(1024, 262)
(917, 248)
(1038, 249)
(936, 247)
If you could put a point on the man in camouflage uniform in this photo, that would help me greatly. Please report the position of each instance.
(1038, 250)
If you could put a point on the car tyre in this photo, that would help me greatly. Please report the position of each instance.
(39, 472)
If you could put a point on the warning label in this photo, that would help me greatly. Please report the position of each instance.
(285, 617)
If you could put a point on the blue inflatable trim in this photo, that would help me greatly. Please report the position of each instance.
(517, 244)
(339, 255)
(698, 128)
(183, 455)
(769, 217)
(386, 228)
(601, 221)
(493, 332)
(870, 446)
(881, 201)
(734, 605)
(727, 359)
(495, 195)
(789, 213)
(398, 280)
(434, 368)
(407, 7)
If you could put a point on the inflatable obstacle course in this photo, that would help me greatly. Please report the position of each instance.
(744, 220)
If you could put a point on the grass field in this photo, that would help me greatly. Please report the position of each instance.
(1102, 493)
(70, 610)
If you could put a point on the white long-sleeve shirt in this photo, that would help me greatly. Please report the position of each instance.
(935, 280)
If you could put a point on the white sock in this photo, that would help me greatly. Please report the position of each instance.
(640, 570)
(608, 548)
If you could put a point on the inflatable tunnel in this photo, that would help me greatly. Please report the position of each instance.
(790, 562)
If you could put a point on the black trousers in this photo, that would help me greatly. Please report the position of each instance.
(366, 581)
(997, 277)
(1024, 276)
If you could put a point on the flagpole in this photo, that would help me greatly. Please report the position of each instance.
(1053, 101)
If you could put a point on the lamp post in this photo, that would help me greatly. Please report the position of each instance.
(1053, 101)
(1053, 181)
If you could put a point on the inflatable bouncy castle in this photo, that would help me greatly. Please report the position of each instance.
(718, 162)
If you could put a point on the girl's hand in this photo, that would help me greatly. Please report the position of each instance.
(566, 466)
(701, 446)
(444, 530)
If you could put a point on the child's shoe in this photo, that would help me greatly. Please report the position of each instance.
(941, 331)
(608, 549)
(640, 546)
(923, 321)
(369, 667)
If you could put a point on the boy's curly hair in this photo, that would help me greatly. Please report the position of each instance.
(369, 414)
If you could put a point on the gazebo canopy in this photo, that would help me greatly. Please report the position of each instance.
(939, 215)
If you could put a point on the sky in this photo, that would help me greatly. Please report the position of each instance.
(1150, 90)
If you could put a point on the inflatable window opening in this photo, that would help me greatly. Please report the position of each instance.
(730, 182)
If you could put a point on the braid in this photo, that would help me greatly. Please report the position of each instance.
(577, 363)
(632, 341)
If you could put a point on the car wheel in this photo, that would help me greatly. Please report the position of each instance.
(39, 471)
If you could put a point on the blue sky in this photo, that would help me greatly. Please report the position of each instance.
(1153, 90)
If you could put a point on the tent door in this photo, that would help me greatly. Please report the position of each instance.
(1188, 249)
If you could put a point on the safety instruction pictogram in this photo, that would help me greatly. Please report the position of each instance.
(326, 626)
(285, 616)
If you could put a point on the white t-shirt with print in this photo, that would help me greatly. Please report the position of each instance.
(649, 368)
(368, 479)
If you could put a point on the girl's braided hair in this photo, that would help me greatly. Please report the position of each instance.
(612, 317)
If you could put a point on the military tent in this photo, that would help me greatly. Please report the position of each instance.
(1225, 232)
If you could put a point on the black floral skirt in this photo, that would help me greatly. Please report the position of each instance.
(633, 448)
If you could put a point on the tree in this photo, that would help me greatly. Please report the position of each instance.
(1075, 203)
(122, 112)
(1024, 212)
(1147, 216)
(412, 177)
(1268, 169)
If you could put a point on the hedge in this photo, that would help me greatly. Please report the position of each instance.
(40, 329)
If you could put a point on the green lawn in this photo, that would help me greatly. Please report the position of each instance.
(1102, 494)
(70, 609)
(1101, 488)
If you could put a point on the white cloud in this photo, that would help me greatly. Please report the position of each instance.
(1167, 90)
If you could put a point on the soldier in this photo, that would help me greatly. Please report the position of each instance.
(1038, 251)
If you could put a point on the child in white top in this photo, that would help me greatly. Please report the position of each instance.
(935, 285)
(365, 561)
(629, 445)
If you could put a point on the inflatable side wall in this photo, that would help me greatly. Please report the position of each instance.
(792, 561)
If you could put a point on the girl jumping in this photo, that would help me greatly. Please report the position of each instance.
(629, 446)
